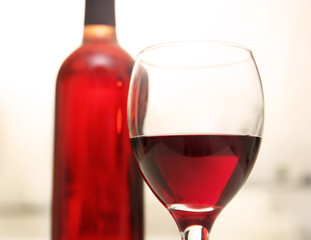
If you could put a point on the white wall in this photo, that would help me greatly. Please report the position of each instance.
(35, 38)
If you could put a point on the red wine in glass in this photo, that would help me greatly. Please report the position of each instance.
(195, 174)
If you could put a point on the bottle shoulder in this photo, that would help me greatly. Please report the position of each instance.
(108, 55)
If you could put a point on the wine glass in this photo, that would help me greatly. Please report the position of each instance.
(195, 117)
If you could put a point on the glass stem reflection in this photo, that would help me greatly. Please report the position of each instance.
(195, 232)
(194, 225)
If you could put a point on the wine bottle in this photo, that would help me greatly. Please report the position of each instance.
(97, 188)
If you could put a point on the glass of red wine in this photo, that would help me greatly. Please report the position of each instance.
(195, 116)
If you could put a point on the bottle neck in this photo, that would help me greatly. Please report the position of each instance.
(99, 33)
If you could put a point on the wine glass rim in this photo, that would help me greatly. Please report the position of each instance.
(162, 45)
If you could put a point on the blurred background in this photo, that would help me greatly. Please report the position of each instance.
(37, 35)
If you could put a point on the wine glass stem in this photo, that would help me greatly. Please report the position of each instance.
(195, 232)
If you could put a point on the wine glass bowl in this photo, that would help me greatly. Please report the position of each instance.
(195, 116)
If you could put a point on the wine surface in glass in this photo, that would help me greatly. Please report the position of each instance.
(195, 173)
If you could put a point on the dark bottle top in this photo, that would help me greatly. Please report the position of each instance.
(99, 12)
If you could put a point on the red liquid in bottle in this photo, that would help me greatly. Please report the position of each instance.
(97, 188)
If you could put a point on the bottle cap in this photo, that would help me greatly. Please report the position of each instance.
(99, 12)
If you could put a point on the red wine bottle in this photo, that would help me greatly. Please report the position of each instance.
(97, 188)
